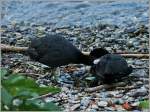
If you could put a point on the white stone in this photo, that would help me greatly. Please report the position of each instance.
(102, 103)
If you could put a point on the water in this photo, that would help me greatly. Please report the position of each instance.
(80, 13)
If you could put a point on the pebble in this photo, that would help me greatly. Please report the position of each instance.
(135, 104)
(49, 99)
(139, 83)
(130, 99)
(118, 101)
(102, 104)
(140, 92)
(85, 101)
(18, 36)
(74, 107)
(94, 106)
(17, 102)
(110, 108)
(140, 73)
(138, 62)
(12, 41)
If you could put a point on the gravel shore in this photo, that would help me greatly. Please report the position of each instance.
(73, 97)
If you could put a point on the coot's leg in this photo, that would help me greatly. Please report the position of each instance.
(54, 74)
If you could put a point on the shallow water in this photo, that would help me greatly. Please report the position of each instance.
(80, 13)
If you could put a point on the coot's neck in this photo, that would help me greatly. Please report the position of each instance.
(85, 59)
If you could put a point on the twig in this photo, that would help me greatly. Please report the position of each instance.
(93, 89)
(127, 55)
(33, 75)
(42, 96)
(126, 88)
(8, 48)
(139, 67)
(135, 55)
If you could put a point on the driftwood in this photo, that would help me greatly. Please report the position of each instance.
(8, 48)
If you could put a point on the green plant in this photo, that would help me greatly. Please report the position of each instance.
(17, 91)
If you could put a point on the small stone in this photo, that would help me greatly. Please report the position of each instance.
(91, 110)
(74, 107)
(140, 92)
(12, 41)
(135, 104)
(140, 73)
(18, 36)
(138, 62)
(49, 99)
(118, 101)
(125, 97)
(110, 108)
(130, 99)
(119, 108)
(85, 101)
(94, 106)
(139, 83)
(130, 30)
(17, 102)
(74, 102)
(102, 104)
(64, 89)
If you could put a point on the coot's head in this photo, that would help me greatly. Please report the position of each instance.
(97, 53)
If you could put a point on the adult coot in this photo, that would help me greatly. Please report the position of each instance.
(54, 50)
(111, 68)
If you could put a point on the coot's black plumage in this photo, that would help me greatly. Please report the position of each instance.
(54, 50)
(111, 68)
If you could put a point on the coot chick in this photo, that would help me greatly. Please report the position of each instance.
(54, 51)
(111, 68)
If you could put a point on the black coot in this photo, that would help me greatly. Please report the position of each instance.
(54, 50)
(111, 68)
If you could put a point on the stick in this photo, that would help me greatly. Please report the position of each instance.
(33, 75)
(135, 55)
(128, 55)
(42, 96)
(93, 89)
(8, 48)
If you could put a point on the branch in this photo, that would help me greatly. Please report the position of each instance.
(42, 96)
(127, 54)
(8, 48)
(135, 55)
(93, 89)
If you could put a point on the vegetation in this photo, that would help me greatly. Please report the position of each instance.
(19, 93)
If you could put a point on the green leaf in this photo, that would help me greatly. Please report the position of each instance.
(144, 104)
(34, 105)
(6, 98)
(19, 87)
(16, 84)
(3, 72)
